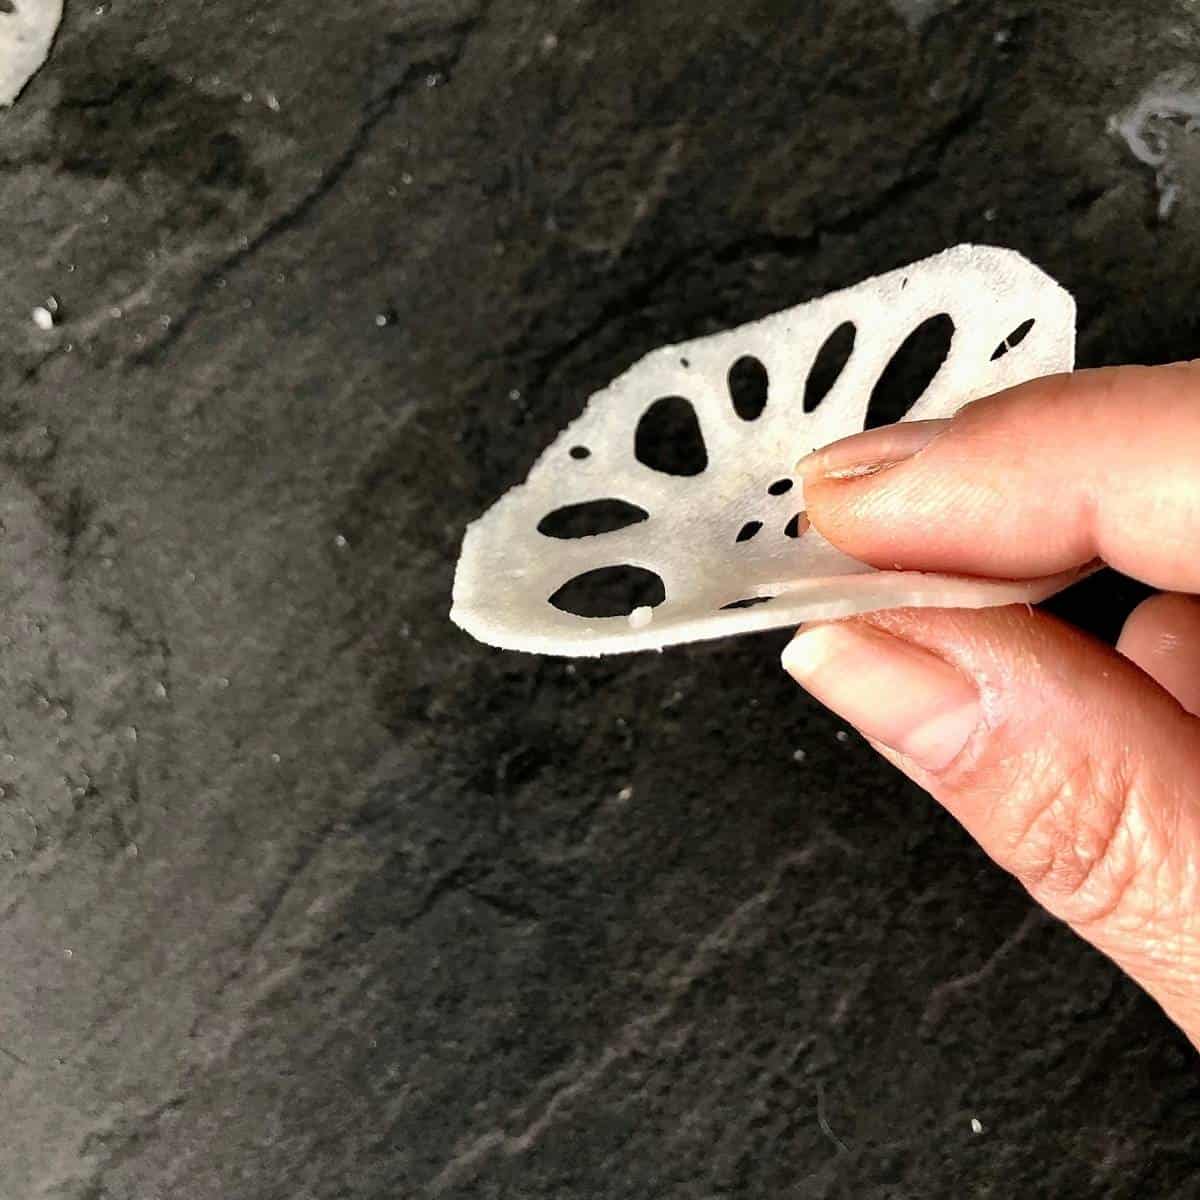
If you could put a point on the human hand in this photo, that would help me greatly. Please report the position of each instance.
(1076, 767)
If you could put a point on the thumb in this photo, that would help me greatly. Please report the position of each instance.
(1071, 767)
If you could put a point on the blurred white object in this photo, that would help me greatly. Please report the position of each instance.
(26, 35)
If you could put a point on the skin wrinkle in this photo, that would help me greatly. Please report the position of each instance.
(1080, 830)
(1160, 923)
(1035, 848)
(1105, 856)
(1172, 895)
(1164, 953)
(1004, 774)
(1077, 850)
(1152, 818)
(1110, 867)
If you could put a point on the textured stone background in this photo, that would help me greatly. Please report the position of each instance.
(305, 895)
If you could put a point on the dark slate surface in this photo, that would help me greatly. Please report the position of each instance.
(305, 895)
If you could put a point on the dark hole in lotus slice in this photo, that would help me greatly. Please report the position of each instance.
(610, 592)
(748, 531)
(7, 6)
(748, 387)
(910, 372)
(749, 602)
(1019, 334)
(829, 364)
(780, 487)
(580, 452)
(797, 526)
(668, 438)
(590, 518)
(1013, 340)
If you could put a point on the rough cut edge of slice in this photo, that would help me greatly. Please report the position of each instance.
(26, 36)
(816, 599)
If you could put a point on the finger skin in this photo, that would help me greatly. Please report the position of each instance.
(1044, 477)
(1080, 779)
(1162, 636)
(1081, 775)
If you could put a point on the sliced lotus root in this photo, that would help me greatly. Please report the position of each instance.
(27, 29)
(669, 511)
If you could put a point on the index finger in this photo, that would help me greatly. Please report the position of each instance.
(1047, 476)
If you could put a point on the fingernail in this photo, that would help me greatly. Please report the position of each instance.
(871, 452)
(891, 691)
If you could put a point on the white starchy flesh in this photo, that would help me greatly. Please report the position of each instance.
(26, 35)
(509, 569)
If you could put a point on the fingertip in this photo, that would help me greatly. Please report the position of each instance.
(1162, 637)
(870, 452)
(1027, 483)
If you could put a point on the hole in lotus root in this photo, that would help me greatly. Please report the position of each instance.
(590, 518)
(780, 487)
(748, 387)
(580, 452)
(749, 602)
(748, 530)
(1013, 340)
(829, 364)
(797, 526)
(668, 438)
(610, 592)
(911, 370)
